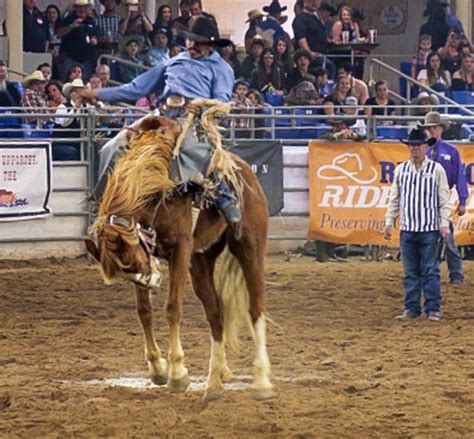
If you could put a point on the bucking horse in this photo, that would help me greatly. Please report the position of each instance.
(144, 216)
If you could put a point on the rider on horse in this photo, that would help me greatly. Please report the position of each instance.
(200, 72)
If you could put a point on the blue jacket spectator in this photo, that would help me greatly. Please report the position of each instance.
(10, 95)
(159, 51)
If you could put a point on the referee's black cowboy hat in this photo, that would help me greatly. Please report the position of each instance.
(204, 30)
(417, 137)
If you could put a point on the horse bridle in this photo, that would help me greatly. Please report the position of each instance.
(147, 238)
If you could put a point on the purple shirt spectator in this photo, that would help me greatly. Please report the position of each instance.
(448, 157)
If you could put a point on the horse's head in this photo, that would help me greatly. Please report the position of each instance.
(125, 250)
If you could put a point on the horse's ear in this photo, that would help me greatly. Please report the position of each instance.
(92, 249)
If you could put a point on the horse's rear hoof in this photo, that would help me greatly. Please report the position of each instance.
(263, 394)
(159, 380)
(179, 385)
(212, 395)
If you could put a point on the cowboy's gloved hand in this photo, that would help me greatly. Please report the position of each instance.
(193, 109)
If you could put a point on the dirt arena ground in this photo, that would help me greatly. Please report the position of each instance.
(342, 366)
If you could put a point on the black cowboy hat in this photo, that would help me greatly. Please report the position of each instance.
(274, 9)
(204, 30)
(417, 137)
(325, 6)
(358, 14)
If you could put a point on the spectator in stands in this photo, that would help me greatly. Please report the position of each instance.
(108, 27)
(241, 106)
(55, 95)
(159, 51)
(302, 61)
(284, 54)
(255, 20)
(53, 19)
(181, 22)
(35, 31)
(75, 71)
(10, 95)
(463, 79)
(136, 23)
(79, 38)
(380, 104)
(333, 102)
(271, 27)
(164, 19)
(359, 88)
(148, 102)
(450, 54)
(104, 74)
(130, 51)
(326, 12)
(421, 57)
(34, 97)
(268, 77)
(465, 46)
(436, 27)
(452, 21)
(250, 63)
(425, 103)
(73, 105)
(357, 125)
(434, 75)
(176, 49)
(322, 80)
(298, 7)
(310, 34)
(230, 56)
(45, 69)
(304, 92)
(94, 82)
(345, 23)
(195, 7)
(258, 104)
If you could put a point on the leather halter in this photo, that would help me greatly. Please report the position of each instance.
(147, 238)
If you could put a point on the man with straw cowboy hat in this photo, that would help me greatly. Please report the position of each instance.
(34, 96)
(200, 72)
(420, 196)
(255, 20)
(449, 158)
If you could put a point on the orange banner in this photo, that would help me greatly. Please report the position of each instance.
(350, 187)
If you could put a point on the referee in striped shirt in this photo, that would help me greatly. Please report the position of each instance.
(420, 195)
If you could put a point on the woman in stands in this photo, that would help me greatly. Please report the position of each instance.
(463, 79)
(345, 23)
(76, 71)
(55, 95)
(284, 54)
(268, 78)
(380, 104)
(434, 75)
(332, 103)
(230, 55)
(450, 54)
(164, 17)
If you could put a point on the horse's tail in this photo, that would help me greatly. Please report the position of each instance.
(234, 298)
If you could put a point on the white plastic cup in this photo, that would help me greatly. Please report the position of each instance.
(345, 36)
(372, 36)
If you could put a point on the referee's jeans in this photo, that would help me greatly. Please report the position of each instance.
(419, 252)
(453, 258)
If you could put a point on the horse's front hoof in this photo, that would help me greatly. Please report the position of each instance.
(263, 394)
(159, 380)
(179, 385)
(212, 395)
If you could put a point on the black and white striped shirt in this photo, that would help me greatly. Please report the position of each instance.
(420, 197)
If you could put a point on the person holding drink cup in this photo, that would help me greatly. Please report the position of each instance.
(344, 31)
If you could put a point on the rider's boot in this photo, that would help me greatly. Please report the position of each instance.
(226, 203)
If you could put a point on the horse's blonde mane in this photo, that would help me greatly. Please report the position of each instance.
(142, 172)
